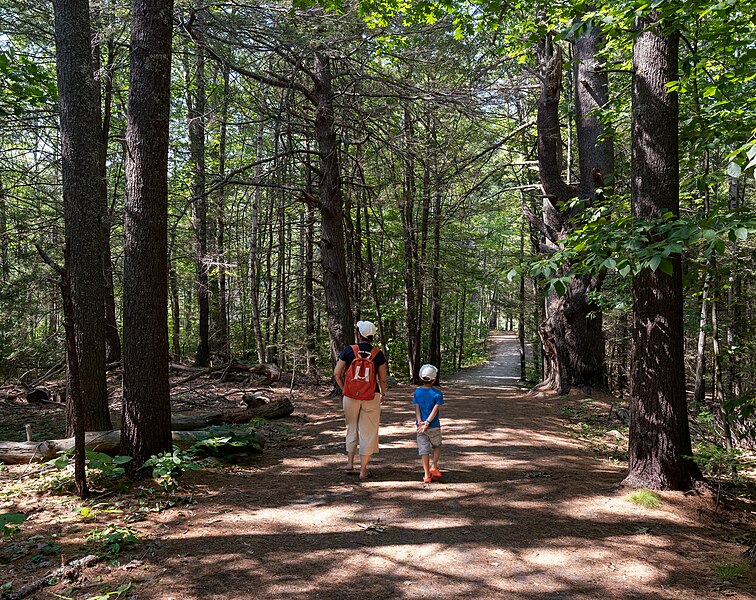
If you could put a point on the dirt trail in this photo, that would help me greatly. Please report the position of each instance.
(524, 511)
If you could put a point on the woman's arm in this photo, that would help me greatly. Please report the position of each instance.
(383, 379)
(338, 374)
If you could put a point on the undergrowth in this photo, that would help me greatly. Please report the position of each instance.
(644, 498)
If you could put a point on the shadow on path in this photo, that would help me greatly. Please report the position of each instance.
(524, 511)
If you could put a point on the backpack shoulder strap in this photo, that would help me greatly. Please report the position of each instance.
(374, 352)
(356, 350)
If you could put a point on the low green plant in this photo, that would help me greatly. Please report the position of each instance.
(717, 462)
(109, 466)
(227, 440)
(112, 539)
(167, 467)
(111, 595)
(9, 523)
(44, 548)
(645, 498)
(730, 571)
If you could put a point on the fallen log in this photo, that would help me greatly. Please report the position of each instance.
(107, 442)
(269, 371)
(69, 571)
(275, 409)
(229, 371)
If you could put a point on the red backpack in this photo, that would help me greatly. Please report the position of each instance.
(359, 383)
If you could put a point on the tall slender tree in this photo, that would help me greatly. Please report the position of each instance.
(146, 428)
(79, 124)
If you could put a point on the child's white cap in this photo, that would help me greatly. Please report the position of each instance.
(428, 373)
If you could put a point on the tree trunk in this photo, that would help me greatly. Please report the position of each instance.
(659, 433)
(521, 304)
(4, 237)
(175, 308)
(196, 106)
(571, 332)
(699, 387)
(112, 336)
(434, 327)
(146, 428)
(734, 303)
(75, 399)
(254, 269)
(411, 258)
(222, 314)
(308, 231)
(718, 392)
(79, 124)
(332, 253)
(595, 144)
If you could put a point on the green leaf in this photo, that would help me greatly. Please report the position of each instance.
(734, 170)
(655, 262)
(11, 519)
(666, 266)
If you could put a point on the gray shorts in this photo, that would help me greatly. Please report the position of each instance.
(431, 438)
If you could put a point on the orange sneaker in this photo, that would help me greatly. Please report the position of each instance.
(428, 479)
(435, 473)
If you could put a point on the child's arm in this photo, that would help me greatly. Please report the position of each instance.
(418, 418)
(433, 413)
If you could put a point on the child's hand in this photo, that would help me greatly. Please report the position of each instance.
(422, 427)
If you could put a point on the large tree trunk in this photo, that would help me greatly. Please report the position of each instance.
(659, 434)
(146, 418)
(332, 252)
(79, 124)
(571, 331)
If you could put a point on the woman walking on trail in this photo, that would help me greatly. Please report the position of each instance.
(361, 373)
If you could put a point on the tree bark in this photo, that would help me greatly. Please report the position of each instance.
(112, 336)
(410, 245)
(196, 105)
(79, 124)
(332, 252)
(146, 400)
(699, 386)
(434, 327)
(659, 435)
(254, 269)
(221, 317)
(571, 331)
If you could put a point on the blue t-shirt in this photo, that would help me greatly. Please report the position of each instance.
(426, 399)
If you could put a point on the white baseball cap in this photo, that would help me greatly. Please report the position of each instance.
(366, 328)
(428, 373)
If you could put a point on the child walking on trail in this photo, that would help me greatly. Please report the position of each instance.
(428, 401)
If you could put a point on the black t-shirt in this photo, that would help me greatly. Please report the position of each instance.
(347, 355)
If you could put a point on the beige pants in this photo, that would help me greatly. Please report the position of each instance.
(362, 420)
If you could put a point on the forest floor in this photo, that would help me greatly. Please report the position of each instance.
(526, 508)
